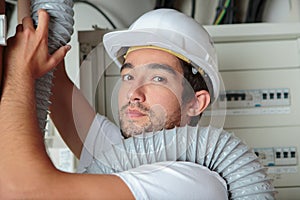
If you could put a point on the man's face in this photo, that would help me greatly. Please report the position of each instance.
(151, 92)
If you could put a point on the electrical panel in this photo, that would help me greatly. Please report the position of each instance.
(277, 156)
(260, 68)
(255, 101)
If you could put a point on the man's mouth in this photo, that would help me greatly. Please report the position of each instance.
(132, 113)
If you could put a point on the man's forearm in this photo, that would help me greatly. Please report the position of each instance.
(26, 171)
(2, 11)
(23, 10)
(22, 150)
(24, 164)
(70, 111)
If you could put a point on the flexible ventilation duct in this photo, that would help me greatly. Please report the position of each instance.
(60, 31)
(213, 148)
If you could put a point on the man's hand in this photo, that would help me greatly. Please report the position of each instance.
(27, 51)
(22, 155)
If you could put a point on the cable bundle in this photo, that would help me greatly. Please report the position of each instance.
(225, 12)
(229, 12)
(255, 11)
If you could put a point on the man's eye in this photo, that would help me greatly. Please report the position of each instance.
(127, 77)
(158, 79)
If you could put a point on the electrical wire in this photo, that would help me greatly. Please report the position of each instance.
(164, 4)
(99, 10)
(231, 13)
(222, 13)
(171, 4)
(158, 4)
(193, 8)
(255, 11)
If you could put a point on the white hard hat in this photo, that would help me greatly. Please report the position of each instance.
(171, 30)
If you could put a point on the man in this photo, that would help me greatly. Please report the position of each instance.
(144, 106)
(26, 171)
(152, 67)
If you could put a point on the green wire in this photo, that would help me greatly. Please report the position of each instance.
(220, 17)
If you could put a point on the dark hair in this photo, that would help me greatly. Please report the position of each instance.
(194, 81)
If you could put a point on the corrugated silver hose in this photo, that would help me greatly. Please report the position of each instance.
(60, 31)
(211, 147)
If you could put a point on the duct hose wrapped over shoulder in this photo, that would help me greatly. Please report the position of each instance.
(60, 31)
(213, 148)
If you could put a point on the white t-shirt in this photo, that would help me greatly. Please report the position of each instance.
(164, 180)
(102, 134)
(174, 180)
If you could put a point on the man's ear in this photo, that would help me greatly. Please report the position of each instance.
(199, 103)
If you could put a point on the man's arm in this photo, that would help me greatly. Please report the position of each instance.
(25, 169)
(2, 11)
(69, 110)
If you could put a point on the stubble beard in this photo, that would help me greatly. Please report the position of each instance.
(153, 121)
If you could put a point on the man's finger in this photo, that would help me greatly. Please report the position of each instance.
(19, 28)
(27, 22)
(58, 56)
(43, 21)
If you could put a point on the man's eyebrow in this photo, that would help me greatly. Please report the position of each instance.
(126, 66)
(164, 67)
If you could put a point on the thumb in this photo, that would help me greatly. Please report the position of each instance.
(58, 56)
(53, 60)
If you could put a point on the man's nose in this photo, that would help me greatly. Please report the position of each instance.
(136, 94)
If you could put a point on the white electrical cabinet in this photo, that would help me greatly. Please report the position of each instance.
(260, 68)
